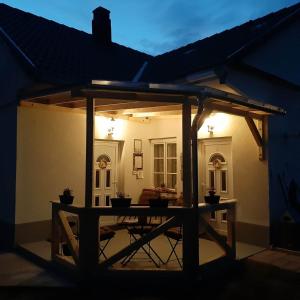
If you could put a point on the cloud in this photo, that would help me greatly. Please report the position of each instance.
(180, 22)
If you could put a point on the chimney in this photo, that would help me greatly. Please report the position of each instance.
(101, 26)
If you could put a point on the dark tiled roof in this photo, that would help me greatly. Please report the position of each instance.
(212, 51)
(64, 55)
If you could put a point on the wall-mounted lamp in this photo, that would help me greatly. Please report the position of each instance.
(111, 127)
(210, 128)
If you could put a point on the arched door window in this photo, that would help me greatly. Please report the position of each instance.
(218, 173)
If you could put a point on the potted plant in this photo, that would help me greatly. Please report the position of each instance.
(66, 197)
(121, 200)
(212, 198)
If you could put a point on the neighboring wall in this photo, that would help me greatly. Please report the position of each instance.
(283, 144)
(12, 78)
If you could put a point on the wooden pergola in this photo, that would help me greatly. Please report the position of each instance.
(110, 97)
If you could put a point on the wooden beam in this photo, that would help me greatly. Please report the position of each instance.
(233, 111)
(157, 108)
(88, 241)
(203, 116)
(133, 105)
(136, 96)
(89, 152)
(257, 137)
(68, 233)
(216, 237)
(98, 102)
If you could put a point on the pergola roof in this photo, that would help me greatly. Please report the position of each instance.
(117, 96)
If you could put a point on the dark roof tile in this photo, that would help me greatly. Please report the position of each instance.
(64, 55)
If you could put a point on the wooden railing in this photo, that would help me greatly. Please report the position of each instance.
(85, 251)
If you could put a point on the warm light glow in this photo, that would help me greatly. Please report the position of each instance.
(108, 128)
(215, 123)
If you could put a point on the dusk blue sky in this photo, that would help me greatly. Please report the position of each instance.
(155, 26)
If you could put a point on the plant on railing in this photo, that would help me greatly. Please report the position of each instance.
(120, 194)
(66, 197)
(212, 198)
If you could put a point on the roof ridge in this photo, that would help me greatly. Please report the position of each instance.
(230, 29)
(40, 17)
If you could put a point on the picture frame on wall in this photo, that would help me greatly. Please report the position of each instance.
(137, 145)
(137, 161)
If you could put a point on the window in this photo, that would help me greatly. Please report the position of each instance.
(165, 163)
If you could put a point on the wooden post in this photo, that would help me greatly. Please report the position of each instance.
(90, 108)
(231, 235)
(186, 154)
(190, 237)
(88, 242)
(55, 233)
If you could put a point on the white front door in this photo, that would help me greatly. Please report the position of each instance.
(105, 172)
(216, 173)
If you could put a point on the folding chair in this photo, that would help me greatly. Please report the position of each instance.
(144, 227)
(174, 236)
(106, 234)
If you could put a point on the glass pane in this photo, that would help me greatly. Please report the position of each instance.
(158, 150)
(107, 178)
(213, 215)
(171, 150)
(211, 179)
(97, 178)
(97, 200)
(223, 181)
(224, 217)
(158, 179)
(171, 181)
(107, 198)
(158, 165)
(171, 165)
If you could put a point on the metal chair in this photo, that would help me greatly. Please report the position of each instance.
(106, 234)
(174, 236)
(143, 227)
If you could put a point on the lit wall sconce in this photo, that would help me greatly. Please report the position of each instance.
(111, 127)
(210, 129)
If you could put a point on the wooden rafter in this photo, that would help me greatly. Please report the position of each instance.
(257, 137)
(234, 111)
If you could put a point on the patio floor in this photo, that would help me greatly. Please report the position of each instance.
(208, 251)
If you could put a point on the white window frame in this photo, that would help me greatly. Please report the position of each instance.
(165, 142)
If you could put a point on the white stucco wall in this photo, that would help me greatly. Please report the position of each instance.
(51, 156)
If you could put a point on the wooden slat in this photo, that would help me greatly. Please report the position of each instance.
(70, 238)
(231, 230)
(140, 242)
(55, 232)
(216, 237)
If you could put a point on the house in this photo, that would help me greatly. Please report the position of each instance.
(47, 71)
